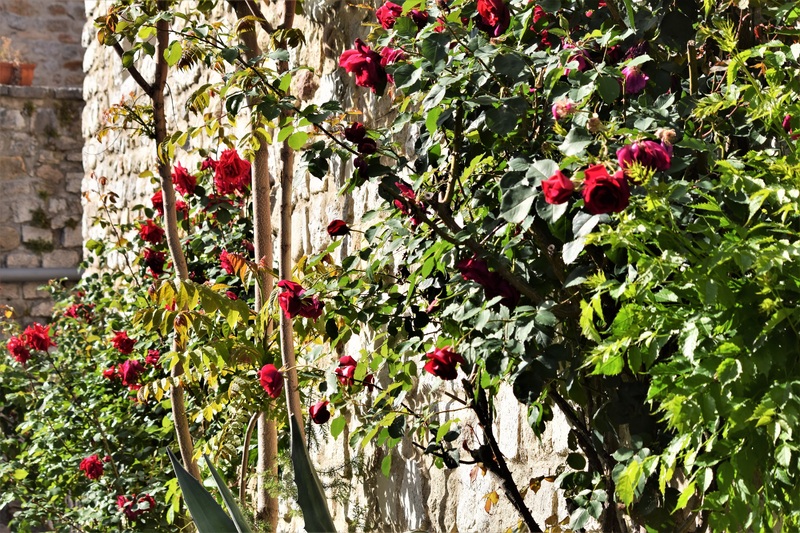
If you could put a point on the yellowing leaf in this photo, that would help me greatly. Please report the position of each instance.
(491, 499)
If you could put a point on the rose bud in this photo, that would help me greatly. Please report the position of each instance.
(338, 228)
(319, 412)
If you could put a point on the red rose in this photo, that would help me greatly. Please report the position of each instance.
(367, 146)
(649, 154)
(225, 262)
(355, 132)
(130, 371)
(311, 308)
(390, 56)
(152, 357)
(208, 163)
(125, 505)
(92, 466)
(493, 284)
(122, 342)
(16, 346)
(635, 79)
(181, 209)
(387, 14)
(365, 63)
(232, 173)
(133, 507)
(231, 295)
(271, 380)
(603, 193)
(493, 17)
(151, 232)
(346, 370)
(184, 182)
(37, 337)
(420, 18)
(290, 299)
(154, 261)
(338, 228)
(557, 188)
(442, 363)
(79, 311)
(158, 202)
(146, 503)
(111, 373)
(319, 412)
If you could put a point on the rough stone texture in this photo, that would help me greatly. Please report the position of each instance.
(417, 495)
(40, 206)
(46, 32)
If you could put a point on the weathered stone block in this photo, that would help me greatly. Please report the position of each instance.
(23, 259)
(29, 233)
(42, 309)
(72, 237)
(32, 290)
(49, 173)
(61, 259)
(12, 167)
(10, 291)
(9, 238)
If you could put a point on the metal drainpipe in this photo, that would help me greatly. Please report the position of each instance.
(22, 275)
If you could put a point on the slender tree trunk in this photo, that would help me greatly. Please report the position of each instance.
(182, 433)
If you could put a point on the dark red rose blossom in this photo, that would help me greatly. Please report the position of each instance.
(92, 466)
(420, 18)
(367, 146)
(346, 370)
(271, 380)
(225, 262)
(338, 228)
(442, 363)
(133, 507)
(151, 232)
(603, 193)
(231, 295)
(557, 188)
(130, 371)
(37, 337)
(122, 342)
(387, 14)
(365, 63)
(158, 202)
(355, 132)
(389, 56)
(649, 154)
(361, 167)
(787, 124)
(154, 261)
(319, 412)
(311, 308)
(232, 174)
(476, 269)
(111, 373)
(291, 299)
(16, 346)
(184, 182)
(80, 311)
(635, 80)
(181, 209)
(208, 163)
(152, 357)
(493, 17)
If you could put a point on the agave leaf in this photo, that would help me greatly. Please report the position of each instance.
(238, 517)
(310, 495)
(208, 516)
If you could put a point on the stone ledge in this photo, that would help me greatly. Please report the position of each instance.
(57, 93)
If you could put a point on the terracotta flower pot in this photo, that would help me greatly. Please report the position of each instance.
(6, 72)
(26, 73)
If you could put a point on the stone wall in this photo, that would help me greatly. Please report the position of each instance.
(40, 180)
(416, 495)
(48, 33)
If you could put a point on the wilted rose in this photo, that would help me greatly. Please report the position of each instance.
(649, 154)
(635, 80)
(154, 261)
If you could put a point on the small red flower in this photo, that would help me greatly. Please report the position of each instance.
(130, 371)
(387, 14)
(225, 262)
(232, 174)
(338, 228)
(92, 466)
(442, 363)
(557, 188)
(493, 17)
(111, 373)
(122, 342)
(346, 370)
(19, 352)
(37, 337)
(355, 132)
(271, 380)
(151, 232)
(603, 193)
(365, 63)
(152, 357)
(184, 182)
(649, 154)
(154, 261)
(319, 412)
(158, 202)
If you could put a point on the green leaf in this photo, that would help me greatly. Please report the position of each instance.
(609, 88)
(517, 203)
(337, 426)
(434, 48)
(238, 518)
(310, 495)
(572, 250)
(628, 481)
(687, 493)
(576, 141)
(386, 465)
(173, 53)
(297, 140)
(208, 516)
